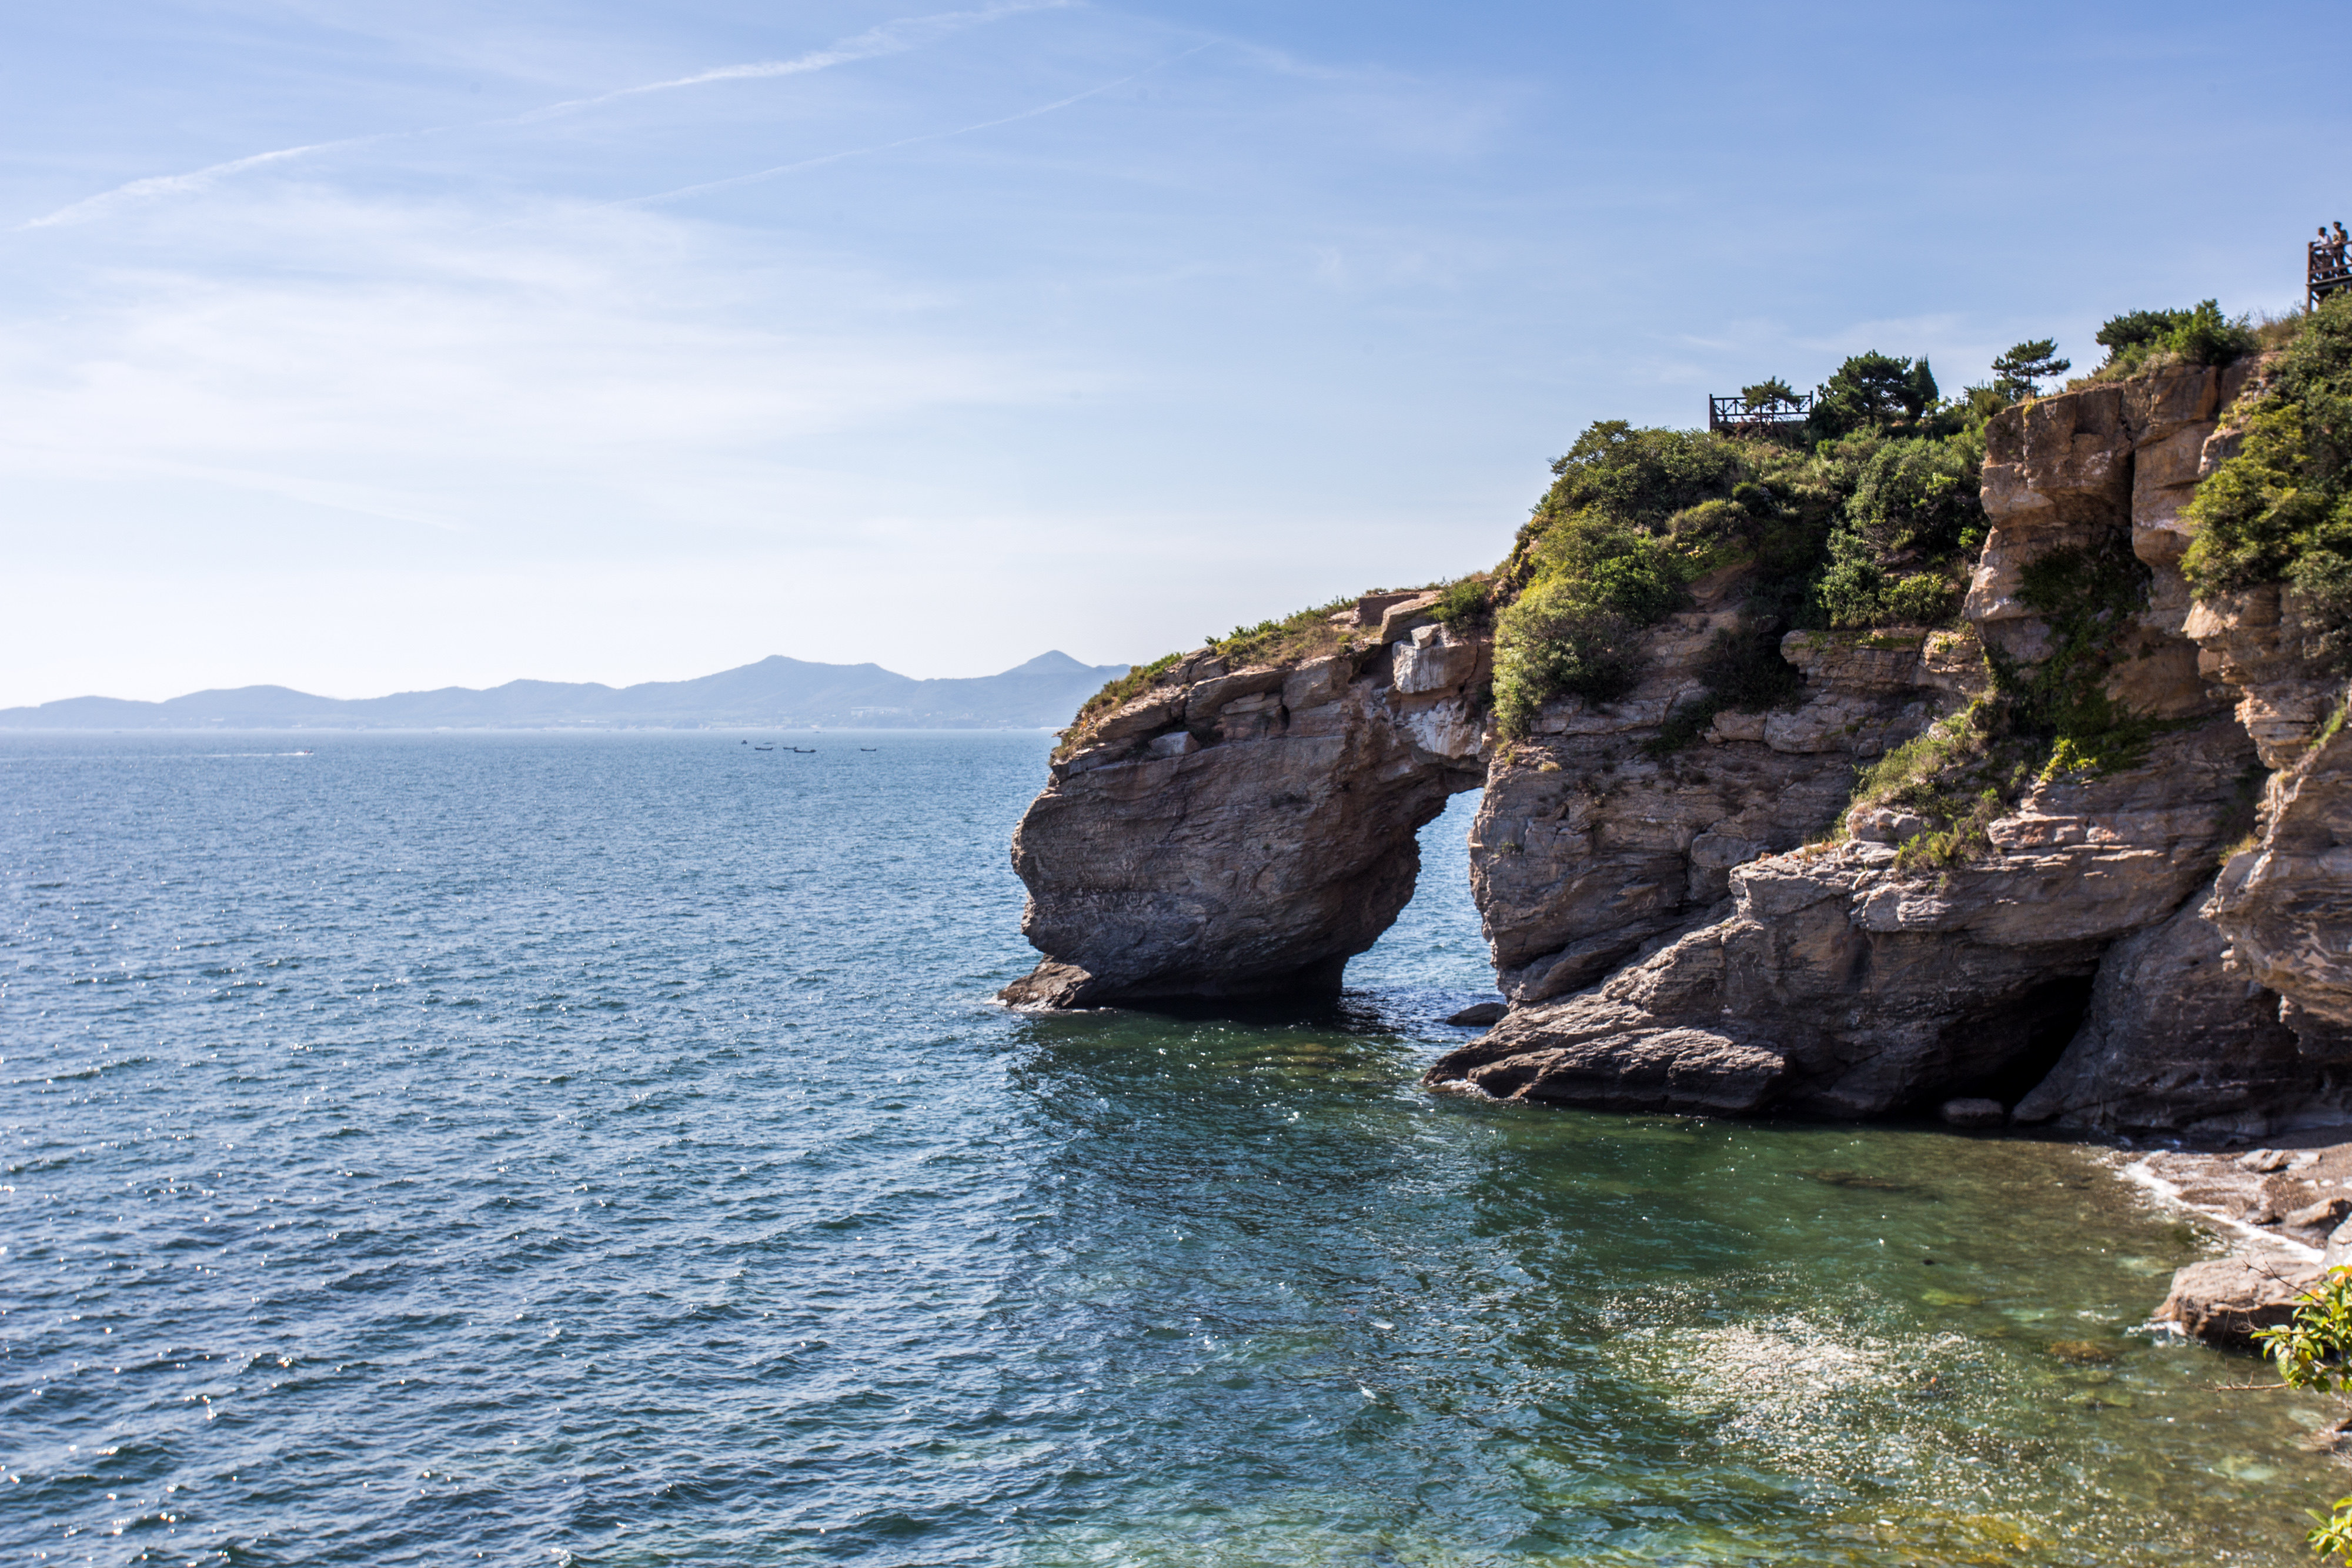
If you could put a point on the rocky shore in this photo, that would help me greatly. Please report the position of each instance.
(1717, 924)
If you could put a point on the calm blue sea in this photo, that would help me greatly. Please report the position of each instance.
(602, 1149)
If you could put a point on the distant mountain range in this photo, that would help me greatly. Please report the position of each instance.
(776, 692)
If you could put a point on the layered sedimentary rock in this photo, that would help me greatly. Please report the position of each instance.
(1234, 832)
(2176, 1035)
(1587, 844)
(1668, 930)
(1837, 982)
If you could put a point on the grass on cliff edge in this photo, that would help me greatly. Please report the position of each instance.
(1291, 639)
(2032, 724)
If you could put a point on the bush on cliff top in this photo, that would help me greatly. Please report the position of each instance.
(2140, 340)
(1872, 523)
(2281, 510)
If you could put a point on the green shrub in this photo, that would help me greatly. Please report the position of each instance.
(1743, 671)
(1467, 602)
(1920, 496)
(1284, 639)
(2281, 510)
(2313, 1349)
(1554, 642)
(1641, 477)
(2201, 335)
(1921, 598)
(1115, 691)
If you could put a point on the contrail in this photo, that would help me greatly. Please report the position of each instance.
(684, 190)
(173, 185)
(889, 38)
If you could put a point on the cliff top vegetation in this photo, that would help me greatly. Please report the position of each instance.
(1864, 516)
(2281, 510)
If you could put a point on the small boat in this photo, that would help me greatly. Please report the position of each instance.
(805, 750)
(764, 749)
(861, 748)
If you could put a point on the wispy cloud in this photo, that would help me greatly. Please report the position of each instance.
(889, 38)
(182, 184)
(733, 180)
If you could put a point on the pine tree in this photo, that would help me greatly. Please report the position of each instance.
(2019, 374)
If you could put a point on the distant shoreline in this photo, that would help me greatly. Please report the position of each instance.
(774, 694)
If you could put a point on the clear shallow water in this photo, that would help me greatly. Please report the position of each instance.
(600, 1149)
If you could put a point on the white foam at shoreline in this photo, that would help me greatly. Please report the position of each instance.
(2140, 1173)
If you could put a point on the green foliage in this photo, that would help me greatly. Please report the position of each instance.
(1283, 638)
(1769, 392)
(1882, 522)
(2281, 510)
(1553, 641)
(2199, 335)
(1121, 689)
(1616, 566)
(1956, 775)
(1961, 839)
(2313, 1349)
(1641, 477)
(1467, 602)
(2021, 369)
(2087, 597)
(2333, 1535)
(1872, 389)
(1899, 549)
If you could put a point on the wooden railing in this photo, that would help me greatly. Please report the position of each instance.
(2329, 270)
(1735, 415)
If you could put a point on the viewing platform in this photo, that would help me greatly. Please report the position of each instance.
(1734, 415)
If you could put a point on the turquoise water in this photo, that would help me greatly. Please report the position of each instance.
(601, 1149)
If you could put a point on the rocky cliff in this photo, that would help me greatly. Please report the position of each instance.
(1725, 924)
(1239, 830)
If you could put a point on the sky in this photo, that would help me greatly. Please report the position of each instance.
(367, 346)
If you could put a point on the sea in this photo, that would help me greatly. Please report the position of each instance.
(602, 1149)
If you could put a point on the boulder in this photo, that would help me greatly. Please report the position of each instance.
(2325, 1215)
(1478, 1015)
(2225, 1301)
(1972, 1112)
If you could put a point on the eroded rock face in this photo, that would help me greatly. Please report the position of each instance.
(1241, 831)
(1587, 846)
(1664, 943)
(1875, 989)
(2285, 906)
(2177, 1039)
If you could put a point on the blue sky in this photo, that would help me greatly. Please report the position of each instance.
(364, 347)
